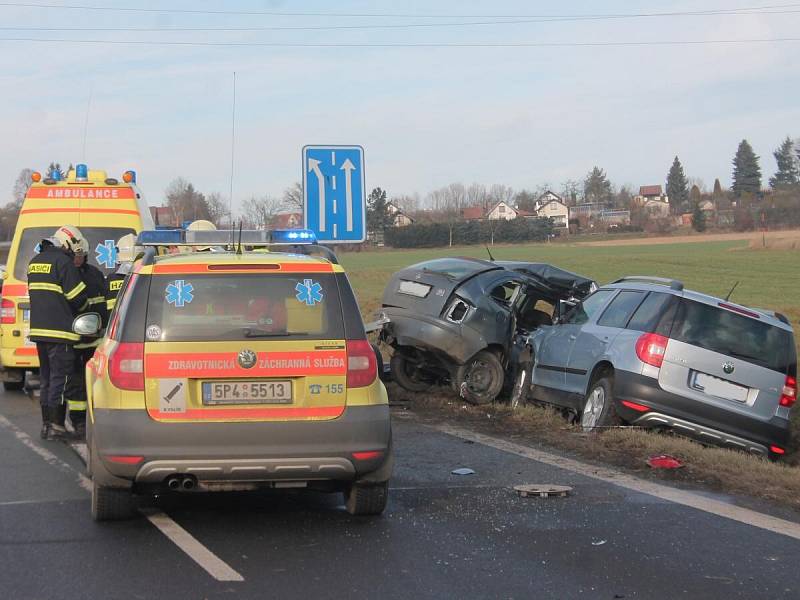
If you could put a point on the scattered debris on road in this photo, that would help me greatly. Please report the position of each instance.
(542, 490)
(462, 471)
(664, 461)
(598, 543)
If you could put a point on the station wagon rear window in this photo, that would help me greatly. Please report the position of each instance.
(236, 307)
(737, 336)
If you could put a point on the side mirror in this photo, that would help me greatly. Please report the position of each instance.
(88, 324)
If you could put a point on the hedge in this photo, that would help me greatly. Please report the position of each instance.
(469, 232)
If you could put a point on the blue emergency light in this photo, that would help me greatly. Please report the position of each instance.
(81, 172)
(160, 237)
(292, 236)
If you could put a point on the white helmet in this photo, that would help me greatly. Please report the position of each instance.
(201, 225)
(127, 250)
(70, 238)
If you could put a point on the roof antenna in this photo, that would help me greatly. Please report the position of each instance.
(239, 247)
(728, 297)
(491, 258)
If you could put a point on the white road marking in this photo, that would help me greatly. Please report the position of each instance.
(686, 498)
(214, 565)
(209, 561)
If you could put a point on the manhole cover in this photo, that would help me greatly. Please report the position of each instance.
(542, 490)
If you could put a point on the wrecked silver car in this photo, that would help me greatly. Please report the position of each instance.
(455, 320)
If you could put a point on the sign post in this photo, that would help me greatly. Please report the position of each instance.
(334, 196)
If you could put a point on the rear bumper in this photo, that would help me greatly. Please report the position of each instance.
(244, 452)
(22, 357)
(705, 423)
(438, 336)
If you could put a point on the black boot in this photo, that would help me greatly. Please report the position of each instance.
(45, 423)
(52, 429)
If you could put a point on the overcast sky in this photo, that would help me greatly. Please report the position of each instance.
(425, 116)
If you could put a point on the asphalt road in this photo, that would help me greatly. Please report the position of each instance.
(442, 536)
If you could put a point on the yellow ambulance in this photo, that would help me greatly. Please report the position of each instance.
(104, 209)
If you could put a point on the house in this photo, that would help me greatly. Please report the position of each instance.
(548, 196)
(653, 200)
(554, 208)
(292, 220)
(399, 218)
(472, 213)
(501, 210)
(163, 216)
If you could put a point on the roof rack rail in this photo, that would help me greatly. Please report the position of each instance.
(673, 284)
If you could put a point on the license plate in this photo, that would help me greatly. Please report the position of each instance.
(247, 392)
(720, 388)
(26, 315)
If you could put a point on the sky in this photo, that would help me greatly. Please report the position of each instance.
(426, 115)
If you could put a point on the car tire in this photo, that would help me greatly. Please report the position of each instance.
(598, 409)
(13, 386)
(521, 387)
(408, 375)
(480, 379)
(112, 504)
(364, 500)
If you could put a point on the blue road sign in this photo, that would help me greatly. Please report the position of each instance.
(334, 193)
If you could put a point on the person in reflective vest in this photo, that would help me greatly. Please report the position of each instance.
(56, 293)
(75, 392)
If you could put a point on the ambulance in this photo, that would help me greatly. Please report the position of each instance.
(104, 209)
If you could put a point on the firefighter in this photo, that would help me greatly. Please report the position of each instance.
(56, 294)
(127, 252)
(75, 392)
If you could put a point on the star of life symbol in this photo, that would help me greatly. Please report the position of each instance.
(106, 254)
(179, 293)
(309, 292)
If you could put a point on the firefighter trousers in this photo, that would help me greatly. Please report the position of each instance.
(76, 388)
(56, 369)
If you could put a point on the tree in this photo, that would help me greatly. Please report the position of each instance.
(623, 198)
(788, 173)
(218, 210)
(698, 218)
(21, 185)
(260, 210)
(746, 172)
(500, 193)
(378, 216)
(293, 197)
(186, 202)
(717, 189)
(525, 200)
(597, 187)
(570, 190)
(677, 187)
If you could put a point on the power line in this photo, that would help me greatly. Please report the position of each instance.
(412, 44)
(89, 7)
(371, 26)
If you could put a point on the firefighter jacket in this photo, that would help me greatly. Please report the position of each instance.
(113, 287)
(56, 294)
(95, 300)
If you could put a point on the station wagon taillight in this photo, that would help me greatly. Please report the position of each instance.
(362, 366)
(789, 393)
(651, 348)
(126, 366)
(8, 312)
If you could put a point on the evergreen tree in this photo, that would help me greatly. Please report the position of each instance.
(378, 216)
(746, 172)
(788, 173)
(698, 218)
(677, 187)
(717, 188)
(597, 187)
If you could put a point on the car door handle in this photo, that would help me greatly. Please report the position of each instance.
(572, 338)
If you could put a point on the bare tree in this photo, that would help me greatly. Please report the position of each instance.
(447, 203)
(261, 210)
(408, 204)
(293, 197)
(696, 181)
(571, 191)
(501, 193)
(21, 185)
(185, 201)
(217, 209)
(476, 195)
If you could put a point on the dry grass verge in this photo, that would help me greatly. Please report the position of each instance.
(715, 468)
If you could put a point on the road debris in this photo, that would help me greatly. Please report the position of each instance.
(542, 490)
(598, 543)
(462, 471)
(664, 461)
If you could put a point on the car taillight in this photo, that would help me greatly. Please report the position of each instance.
(651, 348)
(362, 366)
(789, 393)
(126, 366)
(8, 312)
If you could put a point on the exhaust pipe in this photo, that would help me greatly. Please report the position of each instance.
(188, 483)
(173, 482)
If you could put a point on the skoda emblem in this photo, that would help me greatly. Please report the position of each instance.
(247, 359)
(728, 367)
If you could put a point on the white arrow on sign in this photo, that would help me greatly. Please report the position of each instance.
(348, 169)
(313, 166)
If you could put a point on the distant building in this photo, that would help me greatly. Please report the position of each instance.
(550, 205)
(399, 218)
(473, 213)
(501, 210)
(653, 200)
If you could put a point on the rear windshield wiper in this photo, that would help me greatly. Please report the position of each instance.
(254, 333)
